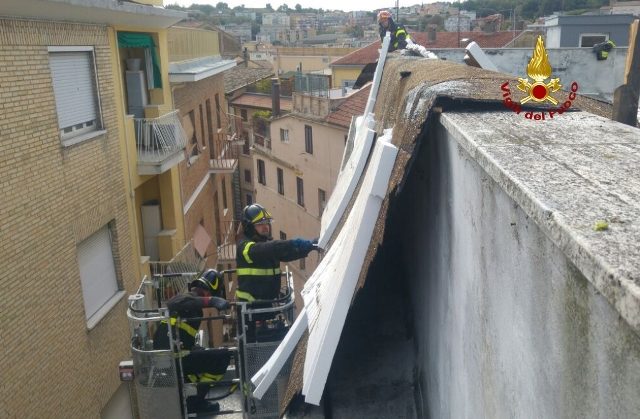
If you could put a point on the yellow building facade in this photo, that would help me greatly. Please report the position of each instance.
(75, 177)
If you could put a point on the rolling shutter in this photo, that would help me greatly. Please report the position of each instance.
(74, 88)
(97, 271)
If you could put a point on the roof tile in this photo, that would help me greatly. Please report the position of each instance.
(353, 106)
(369, 53)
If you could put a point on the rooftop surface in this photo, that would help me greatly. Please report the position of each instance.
(369, 53)
(353, 106)
(239, 77)
(261, 101)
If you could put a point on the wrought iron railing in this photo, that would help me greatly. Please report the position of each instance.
(186, 260)
(227, 247)
(224, 153)
(159, 138)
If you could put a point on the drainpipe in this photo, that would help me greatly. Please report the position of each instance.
(275, 97)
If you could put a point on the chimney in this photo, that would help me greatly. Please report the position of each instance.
(275, 97)
(431, 34)
(245, 57)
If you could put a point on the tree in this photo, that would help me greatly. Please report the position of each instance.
(283, 8)
(356, 31)
(298, 7)
(222, 6)
(268, 7)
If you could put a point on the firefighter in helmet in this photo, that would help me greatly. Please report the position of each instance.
(258, 257)
(199, 365)
(399, 35)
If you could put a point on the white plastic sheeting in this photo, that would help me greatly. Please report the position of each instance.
(347, 179)
(328, 293)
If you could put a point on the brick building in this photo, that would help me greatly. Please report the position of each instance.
(71, 248)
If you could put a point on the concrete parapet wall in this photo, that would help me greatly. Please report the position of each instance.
(511, 315)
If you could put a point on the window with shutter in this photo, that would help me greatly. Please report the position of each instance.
(75, 91)
(97, 273)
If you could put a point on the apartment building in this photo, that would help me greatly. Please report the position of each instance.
(296, 175)
(307, 59)
(209, 171)
(77, 168)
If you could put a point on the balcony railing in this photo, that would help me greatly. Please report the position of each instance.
(160, 142)
(227, 248)
(224, 153)
(186, 260)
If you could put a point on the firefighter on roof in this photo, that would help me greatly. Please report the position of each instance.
(399, 35)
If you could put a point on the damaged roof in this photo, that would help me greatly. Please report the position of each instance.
(415, 92)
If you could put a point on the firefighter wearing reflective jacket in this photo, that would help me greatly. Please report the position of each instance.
(258, 257)
(399, 35)
(199, 365)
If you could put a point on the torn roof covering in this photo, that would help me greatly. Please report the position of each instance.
(406, 103)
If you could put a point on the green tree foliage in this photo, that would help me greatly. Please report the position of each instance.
(355, 31)
(269, 7)
(528, 9)
(298, 7)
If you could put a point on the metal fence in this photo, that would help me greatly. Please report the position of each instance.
(159, 138)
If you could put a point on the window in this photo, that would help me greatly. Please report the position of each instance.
(249, 199)
(76, 92)
(303, 263)
(322, 201)
(283, 235)
(590, 39)
(308, 139)
(209, 122)
(262, 178)
(300, 187)
(217, 99)
(193, 142)
(284, 135)
(204, 145)
(224, 193)
(247, 175)
(243, 114)
(100, 287)
(280, 181)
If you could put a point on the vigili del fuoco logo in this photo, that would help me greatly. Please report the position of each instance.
(538, 89)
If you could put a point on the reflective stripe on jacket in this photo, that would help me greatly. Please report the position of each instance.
(257, 280)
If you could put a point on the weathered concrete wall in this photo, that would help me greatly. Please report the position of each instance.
(569, 64)
(505, 325)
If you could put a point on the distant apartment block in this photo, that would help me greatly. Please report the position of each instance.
(457, 23)
(276, 19)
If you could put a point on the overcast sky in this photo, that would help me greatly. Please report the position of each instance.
(324, 4)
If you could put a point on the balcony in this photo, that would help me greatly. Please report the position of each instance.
(224, 154)
(160, 143)
(227, 240)
(186, 259)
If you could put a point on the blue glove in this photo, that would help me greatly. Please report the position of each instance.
(303, 245)
(219, 303)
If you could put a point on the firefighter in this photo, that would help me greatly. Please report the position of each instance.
(399, 35)
(258, 257)
(199, 365)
